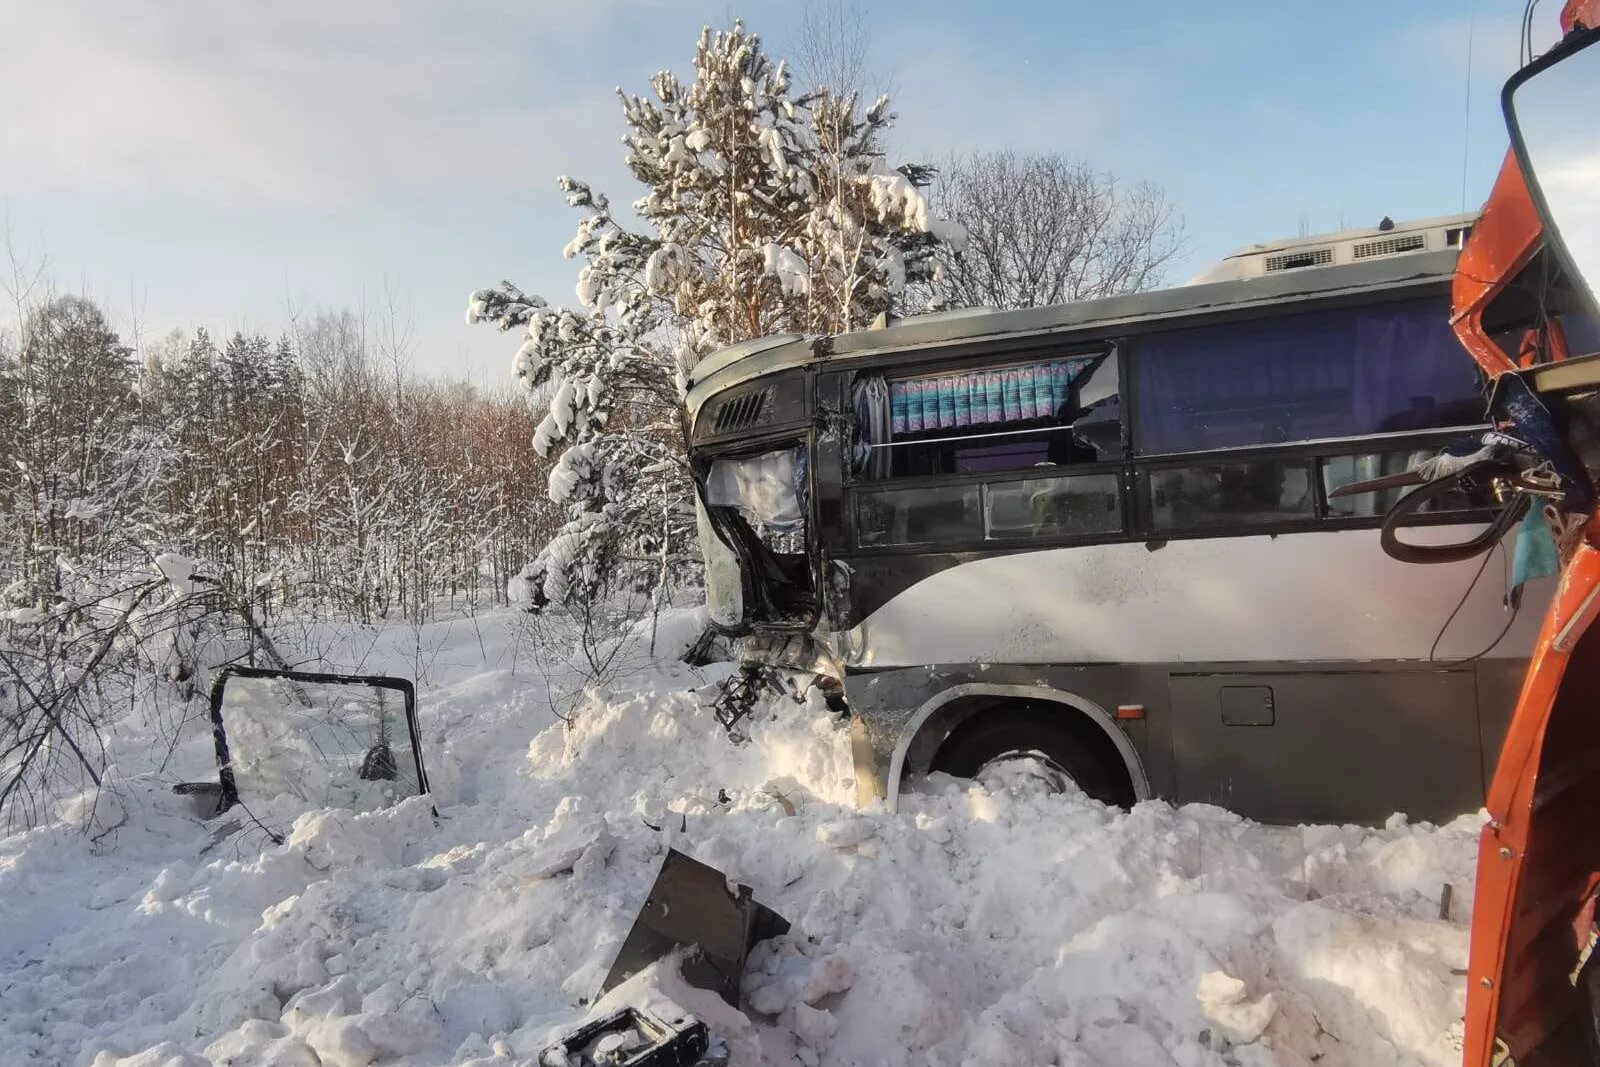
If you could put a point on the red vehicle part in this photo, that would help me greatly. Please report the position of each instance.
(1504, 240)
(1539, 856)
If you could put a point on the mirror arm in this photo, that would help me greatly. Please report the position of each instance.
(1412, 502)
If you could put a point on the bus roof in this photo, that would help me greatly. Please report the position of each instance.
(759, 356)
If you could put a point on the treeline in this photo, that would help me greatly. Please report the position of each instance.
(301, 474)
(159, 514)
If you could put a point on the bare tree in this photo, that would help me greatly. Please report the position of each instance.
(1048, 229)
(833, 47)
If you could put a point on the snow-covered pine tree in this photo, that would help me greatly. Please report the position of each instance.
(764, 212)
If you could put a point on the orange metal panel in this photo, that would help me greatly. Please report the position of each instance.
(1538, 855)
(1504, 239)
(1580, 15)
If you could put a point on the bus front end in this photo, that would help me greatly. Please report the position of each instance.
(752, 433)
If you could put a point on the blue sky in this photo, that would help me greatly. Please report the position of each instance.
(231, 165)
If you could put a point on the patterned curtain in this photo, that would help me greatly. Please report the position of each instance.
(982, 398)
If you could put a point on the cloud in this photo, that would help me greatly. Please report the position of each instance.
(950, 98)
(305, 104)
(1437, 47)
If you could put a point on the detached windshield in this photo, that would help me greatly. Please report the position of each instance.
(306, 744)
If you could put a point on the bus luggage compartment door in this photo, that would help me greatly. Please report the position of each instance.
(1323, 745)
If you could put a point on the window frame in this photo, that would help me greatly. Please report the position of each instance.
(1134, 490)
(1121, 339)
(975, 361)
(981, 481)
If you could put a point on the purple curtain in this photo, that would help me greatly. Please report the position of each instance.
(1341, 373)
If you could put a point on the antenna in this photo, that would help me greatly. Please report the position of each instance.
(1466, 124)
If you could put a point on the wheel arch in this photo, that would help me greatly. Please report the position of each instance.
(1069, 703)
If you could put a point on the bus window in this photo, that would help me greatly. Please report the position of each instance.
(1227, 494)
(1344, 372)
(1053, 507)
(1050, 412)
(1342, 470)
(919, 516)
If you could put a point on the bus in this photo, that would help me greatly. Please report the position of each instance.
(1101, 538)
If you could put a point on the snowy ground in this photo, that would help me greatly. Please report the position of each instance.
(983, 924)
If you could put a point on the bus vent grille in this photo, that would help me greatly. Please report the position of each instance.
(742, 412)
(1309, 257)
(1389, 246)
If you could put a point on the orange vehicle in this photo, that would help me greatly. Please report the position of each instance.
(1525, 280)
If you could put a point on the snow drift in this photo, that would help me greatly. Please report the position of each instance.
(986, 923)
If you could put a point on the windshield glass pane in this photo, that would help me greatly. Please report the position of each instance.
(323, 744)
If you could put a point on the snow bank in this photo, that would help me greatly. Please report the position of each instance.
(984, 924)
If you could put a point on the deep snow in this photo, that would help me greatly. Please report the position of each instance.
(984, 924)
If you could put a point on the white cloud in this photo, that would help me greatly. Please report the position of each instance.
(1438, 47)
(310, 104)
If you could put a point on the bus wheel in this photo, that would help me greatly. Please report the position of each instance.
(1059, 741)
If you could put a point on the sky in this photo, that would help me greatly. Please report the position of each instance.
(241, 165)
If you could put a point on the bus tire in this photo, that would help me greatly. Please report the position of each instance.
(1069, 742)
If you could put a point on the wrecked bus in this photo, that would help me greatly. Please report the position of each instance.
(1100, 536)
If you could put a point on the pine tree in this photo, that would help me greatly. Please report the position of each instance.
(766, 213)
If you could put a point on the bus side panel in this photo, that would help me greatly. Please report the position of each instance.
(1286, 743)
(1499, 683)
(1322, 746)
(1330, 596)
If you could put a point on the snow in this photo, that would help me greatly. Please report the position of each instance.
(792, 272)
(895, 199)
(985, 923)
(563, 476)
(772, 140)
(179, 570)
(663, 266)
